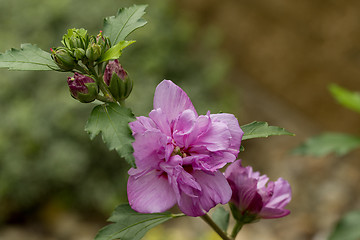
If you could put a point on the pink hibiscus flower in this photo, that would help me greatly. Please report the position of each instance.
(178, 155)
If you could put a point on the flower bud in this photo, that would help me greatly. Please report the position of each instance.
(104, 42)
(82, 88)
(75, 38)
(79, 53)
(120, 85)
(63, 59)
(93, 52)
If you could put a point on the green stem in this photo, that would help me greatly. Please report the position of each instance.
(103, 99)
(236, 229)
(122, 103)
(102, 85)
(216, 228)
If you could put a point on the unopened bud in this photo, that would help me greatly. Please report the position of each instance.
(75, 38)
(79, 53)
(120, 85)
(82, 88)
(63, 59)
(103, 42)
(93, 52)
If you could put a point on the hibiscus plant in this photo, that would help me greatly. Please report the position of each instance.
(176, 156)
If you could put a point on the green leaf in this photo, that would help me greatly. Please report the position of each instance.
(112, 120)
(29, 57)
(326, 143)
(262, 129)
(348, 228)
(118, 27)
(221, 218)
(115, 51)
(346, 98)
(131, 225)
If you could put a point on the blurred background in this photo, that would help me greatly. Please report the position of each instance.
(261, 60)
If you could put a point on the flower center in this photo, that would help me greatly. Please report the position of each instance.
(179, 151)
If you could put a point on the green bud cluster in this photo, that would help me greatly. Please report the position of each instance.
(78, 45)
(95, 70)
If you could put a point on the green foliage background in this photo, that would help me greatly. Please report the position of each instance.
(46, 156)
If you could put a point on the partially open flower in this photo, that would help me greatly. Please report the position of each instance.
(82, 88)
(253, 198)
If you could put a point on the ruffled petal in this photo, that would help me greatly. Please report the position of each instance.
(234, 128)
(216, 138)
(211, 161)
(142, 124)
(172, 100)
(183, 127)
(281, 194)
(202, 124)
(214, 190)
(161, 121)
(149, 149)
(149, 192)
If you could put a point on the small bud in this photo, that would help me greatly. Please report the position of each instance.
(75, 38)
(82, 88)
(120, 85)
(79, 53)
(63, 59)
(104, 42)
(93, 52)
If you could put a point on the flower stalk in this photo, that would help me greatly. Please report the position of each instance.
(215, 227)
(236, 229)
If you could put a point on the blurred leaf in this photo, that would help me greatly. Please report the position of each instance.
(326, 143)
(29, 57)
(346, 98)
(348, 228)
(115, 51)
(112, 120)
(118, 27)
(221, 218)
(131, 225)
(262, 129)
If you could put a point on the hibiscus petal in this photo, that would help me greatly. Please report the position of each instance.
(216, 138)
(172, 100)
(218, 160)
(214, 190)
(161, 121)
(262, 180)
(149, 149)
(150, 192)
(268, 213)
(202, 124)
(234, 169)
(244, 190)
(234, 128)
(141, 125)
(281, 196)
(183, 126)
